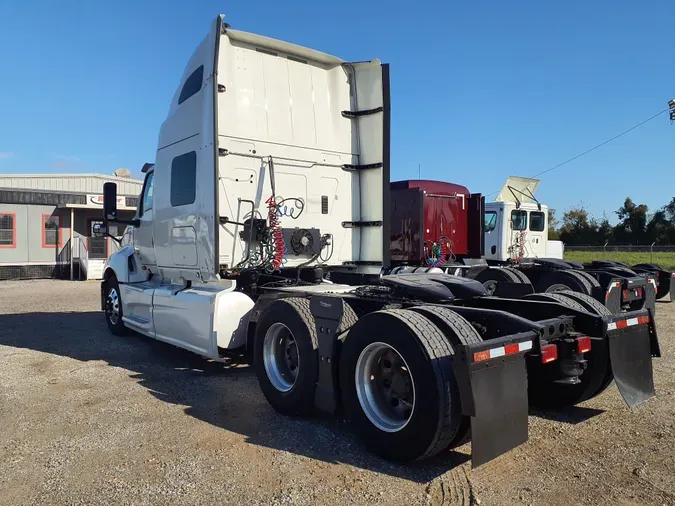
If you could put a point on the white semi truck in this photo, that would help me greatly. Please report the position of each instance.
(263, 227)
(516, 239)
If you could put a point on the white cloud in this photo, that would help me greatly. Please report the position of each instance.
(6, 154)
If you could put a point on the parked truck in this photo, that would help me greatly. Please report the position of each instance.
(516, 237)
(263, 227)
(506, 241)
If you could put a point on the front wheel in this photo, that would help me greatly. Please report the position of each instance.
(113, 307)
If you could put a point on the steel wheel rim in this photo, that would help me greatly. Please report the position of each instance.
(113, 306)
(385, 387)
(558, 287)
(490, 287)
(280, 357)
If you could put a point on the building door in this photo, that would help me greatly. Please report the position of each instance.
(97, 246)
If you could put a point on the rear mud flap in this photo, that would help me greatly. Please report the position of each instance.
(493, 388)
(630, 353)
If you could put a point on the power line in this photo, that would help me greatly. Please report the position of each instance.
(596, 147)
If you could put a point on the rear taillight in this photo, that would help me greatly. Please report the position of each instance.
(583, 345)
(625, 295)
(549, 353)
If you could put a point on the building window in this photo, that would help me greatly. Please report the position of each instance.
(519, 220)
(192, 84)
(184, 179)
(537, 221)
(490, 221)
(51, 226)
(7, 230)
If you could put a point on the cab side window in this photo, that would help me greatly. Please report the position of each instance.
(192, 84)
(490, 221)
(537, 221)
(519, 220)
(147, 193)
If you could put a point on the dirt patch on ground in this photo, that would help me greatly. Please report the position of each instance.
(89, 418)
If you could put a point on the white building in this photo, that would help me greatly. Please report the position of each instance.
(47, 219)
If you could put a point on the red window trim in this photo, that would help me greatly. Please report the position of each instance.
(44, 231)
(13, 245)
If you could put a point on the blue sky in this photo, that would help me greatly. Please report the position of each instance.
(480, 90)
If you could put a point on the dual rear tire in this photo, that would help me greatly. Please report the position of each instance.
(547, 394)
(396, 379)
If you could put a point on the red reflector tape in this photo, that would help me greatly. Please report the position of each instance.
(653, 282)
(549, 353)
(622, 324)
(509, 349)
(583, 345)
(616, 284)
(479, 356)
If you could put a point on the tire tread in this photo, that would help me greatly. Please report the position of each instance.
(440, 351)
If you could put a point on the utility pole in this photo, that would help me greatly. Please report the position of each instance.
(419, 165)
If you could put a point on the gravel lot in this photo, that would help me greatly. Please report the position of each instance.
(89, 418)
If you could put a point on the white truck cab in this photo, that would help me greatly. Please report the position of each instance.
(258, 132)
(516, 224)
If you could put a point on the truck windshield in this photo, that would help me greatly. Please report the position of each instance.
(519, 220)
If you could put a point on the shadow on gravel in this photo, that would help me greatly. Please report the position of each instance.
(572, 414)
(224, 395)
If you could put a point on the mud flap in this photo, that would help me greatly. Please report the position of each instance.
(631, 355)
(492, 377)
(612, 296)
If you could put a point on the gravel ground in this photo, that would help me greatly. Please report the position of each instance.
(89, 418)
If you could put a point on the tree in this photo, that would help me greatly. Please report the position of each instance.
(669, 210)
(632, 227)
(553, 234)
(577, 227)
(605, 230)
(660, 229)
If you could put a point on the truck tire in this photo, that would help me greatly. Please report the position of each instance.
(397, 385)
(558, 297)
(459, 332)
(556, 281)
(113, 310)
(591, 279)
(491, 277)
(595, 307)
(648, 267)
(348, 320)
(589, 303)
(520, 274)
(597, 376)
(656, 270)
(285, 356)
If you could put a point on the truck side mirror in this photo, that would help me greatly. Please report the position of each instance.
(110, 201)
